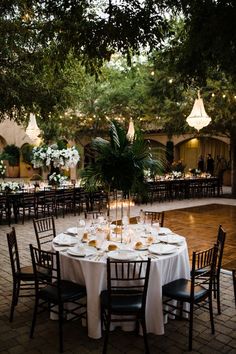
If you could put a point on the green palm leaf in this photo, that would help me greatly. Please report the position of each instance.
(119, 164)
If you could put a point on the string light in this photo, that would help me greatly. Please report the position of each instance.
(170, 81)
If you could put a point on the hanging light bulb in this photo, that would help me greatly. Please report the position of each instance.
(131, 130)
(198, 117)
(32, 129)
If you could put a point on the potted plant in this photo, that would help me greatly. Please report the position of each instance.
(119, 163)
(26, 166)
(11, 153)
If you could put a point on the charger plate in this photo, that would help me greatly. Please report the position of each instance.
(123, 255)
(161, 248)
(81, 251)
(172, 239)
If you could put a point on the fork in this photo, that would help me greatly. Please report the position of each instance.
(153, 256)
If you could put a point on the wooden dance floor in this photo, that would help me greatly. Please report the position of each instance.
(200, 226)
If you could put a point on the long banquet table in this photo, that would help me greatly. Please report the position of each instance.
(91, 272)
(183, 188)
(76, 199)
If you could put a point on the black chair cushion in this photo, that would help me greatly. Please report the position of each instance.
(180, 289)
(69, 292)
(120, 303)
(26, 273)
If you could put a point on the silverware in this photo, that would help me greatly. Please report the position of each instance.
(153, 256)
(62, 250)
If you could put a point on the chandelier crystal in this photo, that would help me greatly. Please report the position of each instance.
(32, 129)
(131, 130)
(198, 117)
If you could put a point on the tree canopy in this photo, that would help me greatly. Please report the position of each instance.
(45, 45)
(38, 36)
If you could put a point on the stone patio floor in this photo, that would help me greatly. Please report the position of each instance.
(14, 337)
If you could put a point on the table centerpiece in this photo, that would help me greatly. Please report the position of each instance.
(56, 179)
(54, 158)
(118, 166)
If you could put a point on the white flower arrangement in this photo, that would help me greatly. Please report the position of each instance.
(9, 186)
(57, 179)
(2, 169)
(176, 174)
(64, 158)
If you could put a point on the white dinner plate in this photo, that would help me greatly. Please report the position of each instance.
(172, 239)
(65, 240)
(161, 248)
(164, 231)
(123, 255)
(81, 251)
(72, 230)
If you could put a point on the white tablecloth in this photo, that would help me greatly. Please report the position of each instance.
(93, 275)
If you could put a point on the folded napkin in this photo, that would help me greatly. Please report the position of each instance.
(72, 230)
(65, 240)
(172, 238)
(80, 251)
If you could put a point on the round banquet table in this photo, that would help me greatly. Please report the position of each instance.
(91, 272)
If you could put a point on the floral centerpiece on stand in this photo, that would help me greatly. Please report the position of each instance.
(178, 166)
(176, 174)
(2, 169)
(177, 169)
(56, 179)
(8, 187)
(51, 155)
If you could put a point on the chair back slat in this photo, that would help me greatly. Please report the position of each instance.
(46, 263)
(44, 230)
(13, 251)
(154, 216)
(127, 277)
(203, 267)
(5, 208)
(220, 242)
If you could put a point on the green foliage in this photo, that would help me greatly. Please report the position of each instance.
(170, 151)
(61, 144)
(38, 37)
(205, 39)
(119, 163)
(26, 153)
(12, 154)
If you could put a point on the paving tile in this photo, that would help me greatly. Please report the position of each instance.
(14, 337)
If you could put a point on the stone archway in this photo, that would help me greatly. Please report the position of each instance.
(189, 150)
(3, 143)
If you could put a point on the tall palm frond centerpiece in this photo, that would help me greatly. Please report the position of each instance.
(119, 162)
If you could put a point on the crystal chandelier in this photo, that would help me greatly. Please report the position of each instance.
(131, 130)
(32, 129)
(198, 117)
